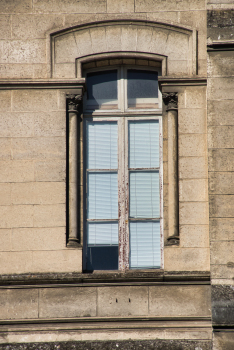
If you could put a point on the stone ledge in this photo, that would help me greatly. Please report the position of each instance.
(158, 276)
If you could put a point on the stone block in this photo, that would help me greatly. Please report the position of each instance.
(194, 213)
(16, 171)
(221, 160)
(53, 238)
(220, 64)
(39, 148)
(186, 259)
(222, 297)
(49, 124)
(194, 236)
(162, 5)
(223, 340)
(5, 240)
(5, 26)
(40, 71)
(65, 48)
(98, 39)
(221, 229)
(23, 71)
(163, 16)
(16, 124)
(202, 67)
(83, 41)
(177, 67)
(50, 170)
(113, 37)
(34, 26)
(15, 6)
(192, 121)
(169, 301)
(196, 97)
(20, 51)
(220, 88)
(122, 301)
(193, 168)
(16, 216)
(192, 145)
(223, 273)
(221, 183)
(49, 215)
(15, 262)
(129, 38)
(67, 302)
(220, 137)
(120, 6)
(194, 19)
(5, 190)
(38, 193)
(34, 100)
(222, 253)
(64, 70)
(144, 39)
(5, 100)
(67, 6)
(221, 206)
(220, 112)
(18, 304)
(5, 148)
(67, 260)
(193, 190)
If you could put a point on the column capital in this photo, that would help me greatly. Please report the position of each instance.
(170, 99)
(74, 101)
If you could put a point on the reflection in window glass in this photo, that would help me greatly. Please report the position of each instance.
(102, 88)
(142, 88)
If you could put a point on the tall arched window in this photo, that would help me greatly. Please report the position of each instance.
(122, 169)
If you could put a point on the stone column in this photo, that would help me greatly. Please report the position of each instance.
(171, 101)
(73, 110)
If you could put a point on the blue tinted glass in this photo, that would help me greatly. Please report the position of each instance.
(102, 195)
(103, 233)
(102, 86)
(145, 244)
(144, 194)
(142, 84)
(143, 144)
(102, 144)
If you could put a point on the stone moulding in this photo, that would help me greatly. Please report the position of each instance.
(177, 43)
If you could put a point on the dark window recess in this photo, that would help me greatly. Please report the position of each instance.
(102, 85)
(142, 84)
(102, 258)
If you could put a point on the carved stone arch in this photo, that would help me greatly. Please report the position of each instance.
(177, 45)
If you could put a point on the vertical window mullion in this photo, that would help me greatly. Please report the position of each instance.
(121, 195)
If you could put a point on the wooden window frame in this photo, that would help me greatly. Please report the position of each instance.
(122, 115)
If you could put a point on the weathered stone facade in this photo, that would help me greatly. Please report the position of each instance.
(46, 301)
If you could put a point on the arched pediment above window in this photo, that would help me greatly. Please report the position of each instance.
(175, 46)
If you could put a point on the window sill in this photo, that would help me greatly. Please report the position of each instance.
(106, 277)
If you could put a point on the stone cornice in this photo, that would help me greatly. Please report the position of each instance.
(167, 81)
(117, 277)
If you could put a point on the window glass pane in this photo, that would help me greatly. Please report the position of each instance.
(102, 87)
(102, 144)
(102, 258)
(143, 144)
(144, 194)
(102, 196)
(145, 244)
(103, 233)
(142, 87)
